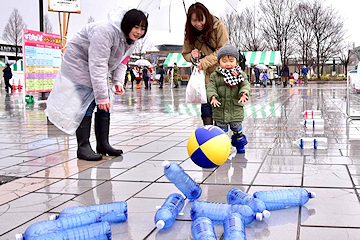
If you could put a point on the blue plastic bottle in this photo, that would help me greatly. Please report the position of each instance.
(96, 231)
(236, 196)
(234, 227)
(279, 199)
(217, 212)
(182, 180)
(44, 227)
(203, 229)
(110, 212)
(166, 215)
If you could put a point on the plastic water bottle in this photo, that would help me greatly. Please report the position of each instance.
(318, 123)
(203, 229)
(217, 212)
(311, 114)
(236, 196)
(182, 180)
(166, 215)
(312, 143)
(44, 227)
(110, 212)
(234, 227)
(96, 231)
(279, 199)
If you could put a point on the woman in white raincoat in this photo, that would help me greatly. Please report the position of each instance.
(82, 82)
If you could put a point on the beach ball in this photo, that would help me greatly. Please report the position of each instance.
(209, 146)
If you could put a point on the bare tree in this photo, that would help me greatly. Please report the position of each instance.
(142, 46)
(278, 25)
(304, 35)
(328, 30)
(13, 30)
(253, 40)
(233, 22)
(91, 19)
(47, 24)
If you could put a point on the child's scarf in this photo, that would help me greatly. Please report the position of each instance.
(233, 76)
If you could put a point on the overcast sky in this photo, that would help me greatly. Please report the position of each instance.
(159, 29)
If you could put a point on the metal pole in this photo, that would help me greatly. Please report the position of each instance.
(41, 15)
(347, 97)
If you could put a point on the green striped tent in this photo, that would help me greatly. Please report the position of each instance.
(2, 64)
(18, 66)
(271, 58)
(176, 58)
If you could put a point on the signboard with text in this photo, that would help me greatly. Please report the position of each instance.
(72, 6)
(42, 58)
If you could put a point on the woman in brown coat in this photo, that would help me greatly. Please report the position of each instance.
(205, 34)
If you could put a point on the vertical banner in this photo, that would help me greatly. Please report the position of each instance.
(42, 56)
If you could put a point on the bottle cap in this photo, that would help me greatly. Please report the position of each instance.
(19, 236)
(259, 216)
(53, 217)
(166, 163)
(160, 224)
(312, 195)
(266, 213)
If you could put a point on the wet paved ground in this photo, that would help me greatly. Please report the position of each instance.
(152, 126)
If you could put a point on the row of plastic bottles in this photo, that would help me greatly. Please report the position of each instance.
(312, 114)
(83, 222)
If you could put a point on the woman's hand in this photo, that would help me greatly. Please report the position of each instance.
(244, 98)
(195, 53)
(106, 107)
(119, 90)
(215, 102)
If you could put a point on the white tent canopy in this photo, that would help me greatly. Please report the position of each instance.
(269, 58)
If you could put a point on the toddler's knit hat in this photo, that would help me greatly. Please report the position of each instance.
(228, 50)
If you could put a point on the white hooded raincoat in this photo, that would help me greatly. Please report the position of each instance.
(94, 52)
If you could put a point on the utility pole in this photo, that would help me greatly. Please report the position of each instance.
(41, 15)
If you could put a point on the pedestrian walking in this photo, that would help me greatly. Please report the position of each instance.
(161, 73)
(176, 75)
(285, 75)
(304, 72)
(7, 74)
(82, 82)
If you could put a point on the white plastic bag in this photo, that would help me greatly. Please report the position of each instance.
(195, 90)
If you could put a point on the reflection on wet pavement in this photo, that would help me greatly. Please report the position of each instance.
(42, 175)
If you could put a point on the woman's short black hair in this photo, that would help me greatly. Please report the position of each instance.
(131, 18)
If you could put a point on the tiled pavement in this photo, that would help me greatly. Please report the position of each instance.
(152, 126)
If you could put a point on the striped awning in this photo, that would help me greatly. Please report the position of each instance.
(176, 58)
(2, 64)
(270, 58)
(18, 66)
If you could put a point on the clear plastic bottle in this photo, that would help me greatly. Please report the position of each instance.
(44, 227)
(110, 212)
(96, 231)
(279, 199)
(217, 212)
(311, 114)
(313, 123)
(234, 227)
(182, 180)
(203, 229)
(166, 215)
(236, 196)
(312, 143)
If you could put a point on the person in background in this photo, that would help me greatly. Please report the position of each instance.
(176, 76)
(205, 34)
(162, 73)
(304, 72)
(271, 75)
(138, 74)
(291, 79)
(265, 77)
(7, 74)
(257, 76)
(228, 91)
(285, 75)
(99, 49)
(296, 77)
(132, 77)
(146, 77)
